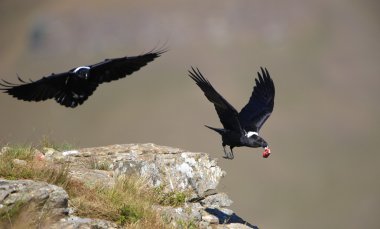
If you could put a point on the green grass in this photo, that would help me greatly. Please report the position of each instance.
(128, 203)
(128, 213)
(46, 142)
(8, 214)
(173, 198)
(186, 224)
(94, 163)
(34, 169)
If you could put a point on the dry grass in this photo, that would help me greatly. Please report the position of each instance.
(34, 169)
(26, 215)
(129, 203)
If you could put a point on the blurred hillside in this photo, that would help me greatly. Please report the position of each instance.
(324, 59)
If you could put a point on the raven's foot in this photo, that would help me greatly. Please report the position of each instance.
(228, 155)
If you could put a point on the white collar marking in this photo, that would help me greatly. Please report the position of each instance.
(81, 67)
(250, 133)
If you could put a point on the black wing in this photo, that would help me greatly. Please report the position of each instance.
(260, 105)
(116, 68)
(228, 115)
(66, 88)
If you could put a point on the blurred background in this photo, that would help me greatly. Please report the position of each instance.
(324, 57)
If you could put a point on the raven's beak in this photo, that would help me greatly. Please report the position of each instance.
(266, 152)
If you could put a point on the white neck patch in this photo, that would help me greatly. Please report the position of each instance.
(81, 67)
(251, 133)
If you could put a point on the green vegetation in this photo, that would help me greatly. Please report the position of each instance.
(94, 163)
(186, 224)
(33, 169)
(170, 198)
(11, 213)
(129, 202)
(128, 213)
(48, 143)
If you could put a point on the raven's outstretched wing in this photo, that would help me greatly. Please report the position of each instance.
(116, 68)
(228, 115)
(260, 105)
(46, 88)
(66, 88)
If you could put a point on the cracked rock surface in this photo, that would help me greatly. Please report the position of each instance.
(45, 203)
(49, 198)
(172, 169)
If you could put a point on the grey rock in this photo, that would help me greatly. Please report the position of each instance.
(226, 211)
(93, 177)
(204, 225)
(186, 213)
(210, 219)
(234, 226)
(174, 169)
(19, 162)
(48, 152)
(217, 200)
(44, 197)
(74, 222)
(4, 149)
(46, 200)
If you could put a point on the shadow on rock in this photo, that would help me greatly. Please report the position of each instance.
(228, 218)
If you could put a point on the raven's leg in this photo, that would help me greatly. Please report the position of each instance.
(232, 153)
(228, 155)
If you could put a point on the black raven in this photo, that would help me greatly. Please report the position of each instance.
(241, 129)
(72, 88)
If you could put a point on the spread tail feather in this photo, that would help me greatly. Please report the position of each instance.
(219, 130)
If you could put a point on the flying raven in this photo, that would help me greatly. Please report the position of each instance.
(73, 87)
(241, 129)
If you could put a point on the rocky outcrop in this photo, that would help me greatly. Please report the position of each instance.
(172, 169)
(44, 204)
(26, 193)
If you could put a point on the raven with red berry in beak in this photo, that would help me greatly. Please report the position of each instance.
(241, 129)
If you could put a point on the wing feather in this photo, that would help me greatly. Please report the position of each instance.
(227, 113)
(116, 68)
(40, 90)
(260, 105)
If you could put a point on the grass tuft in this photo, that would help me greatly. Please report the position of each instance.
(33, 169)
(172, 198)
(128, 202)
(9, 214)
(46, 142)
(129, 214)
(94, 163)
